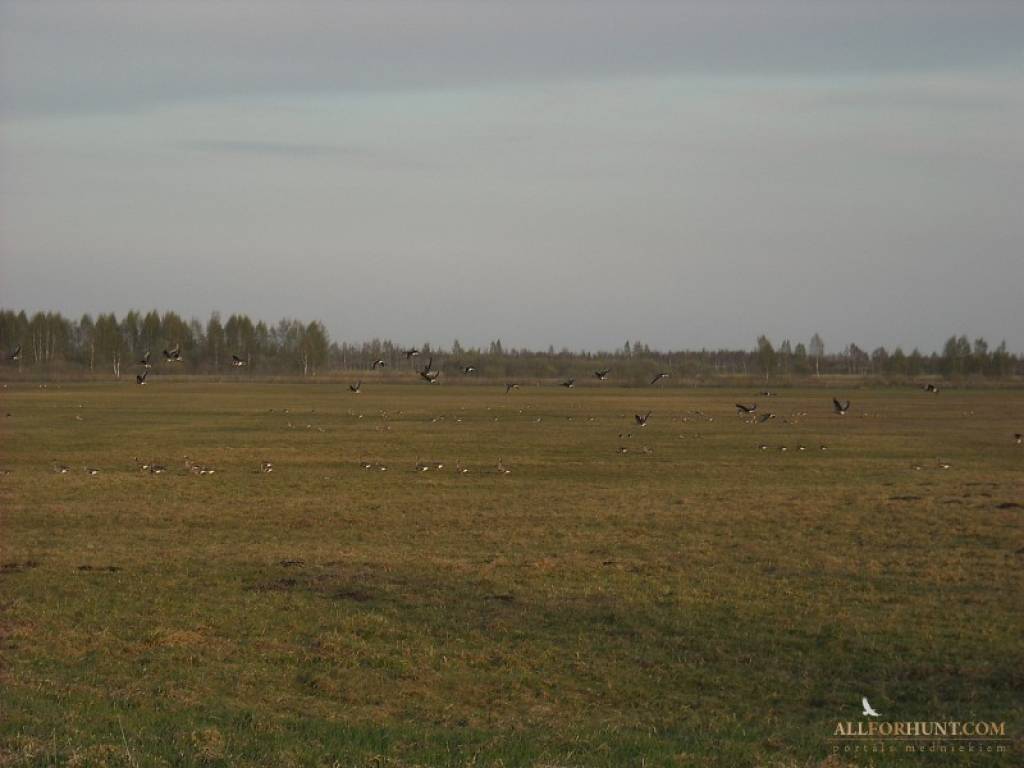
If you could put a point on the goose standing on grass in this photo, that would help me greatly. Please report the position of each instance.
(502, 469)
(509, 387)
(602, 375)
(141, 379)
(144, 362)
(659, 377)
(15, 354)
(931, 388)
(745, 409)
(238, 362)
(840, 407)
(642, 420)
(1018, 438)
(569, 383)
(355, 388)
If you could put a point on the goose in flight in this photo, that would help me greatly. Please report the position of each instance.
(840, 407)
(468, 369)
(173, 355)
(15, 354)
(238, 362)
(642, 420)
(378, 363)
(569, 383)
(602, 375)
(742, 409)
(868, 709)
(141, 379)
(355, 388)
(510, 387)
(411, 353)
(144, 362)
(659, 377)
(428, 374)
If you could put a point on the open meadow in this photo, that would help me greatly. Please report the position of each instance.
(694, 600)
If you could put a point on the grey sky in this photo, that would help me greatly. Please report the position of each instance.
(567, 173)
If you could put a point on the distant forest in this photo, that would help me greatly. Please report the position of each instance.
(53, 345)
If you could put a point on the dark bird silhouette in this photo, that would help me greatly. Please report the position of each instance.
(428, 374)
(1018, 438)
(766, 417)
(468, 369)
(141, 379)
(930, 388)
(510, 387)
(378, 364)
(355, 387)
(766, 393)
(411, 353)
(602, 375)
(840, 407)
(740, 408)
(659, 377)
(144, 362)
(238, 362)
(569, 383)
(642, 420)
(15, 354)
(173, 355)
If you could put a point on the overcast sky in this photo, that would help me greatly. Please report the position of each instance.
(571, 173)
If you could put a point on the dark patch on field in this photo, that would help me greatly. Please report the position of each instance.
(1009, 505)
(101, 568)
(16, 567)
(904, 498)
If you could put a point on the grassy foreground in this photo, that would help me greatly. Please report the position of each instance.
(703, 602)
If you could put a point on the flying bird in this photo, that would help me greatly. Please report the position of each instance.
(238, 362)
(840, 407)
(141, 379)
(642, 420)
(602, 375)
(868, 709)
(144, 362)
(15, 354)
(173, 355)
(510, 387)
(411, 353)
(378, 364)
(468, 369)
(659, 377)
(740, 408)
(428, 374)
(355, 387)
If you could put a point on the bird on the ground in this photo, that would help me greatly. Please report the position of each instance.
(510, 387)
(1018, 438)
(840, 407)
(378, 363)
(266, 467)
(144, 362)
(569, 383)
(355, 388)
(642, 420)
(766, 393)
(173, 355)
(61, 469)
(238, 362)
(744, 409)
(502, 469)
(930, 388)
(91, 470)
(658, 377)
(944, 465)
(822, 447)
(140, 379)
(766, 417)
(602, 375)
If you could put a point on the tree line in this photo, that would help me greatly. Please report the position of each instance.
(107, 344)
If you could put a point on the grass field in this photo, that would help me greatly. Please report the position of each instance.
(704, 602)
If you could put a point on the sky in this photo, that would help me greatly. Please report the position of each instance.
(577, 174)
